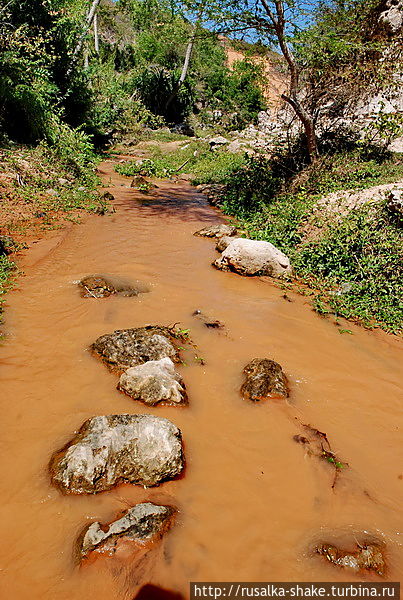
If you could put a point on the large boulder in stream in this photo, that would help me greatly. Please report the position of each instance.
(108, 450)
(103, 286)
(125, 348)
(143, 523)
(264, 380)
(252, 257)
(217, 231)
(153, 382)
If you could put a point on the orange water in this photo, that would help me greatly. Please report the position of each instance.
(251, 504)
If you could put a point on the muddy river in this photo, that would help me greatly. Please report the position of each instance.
(251, 503)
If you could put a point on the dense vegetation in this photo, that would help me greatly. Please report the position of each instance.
(70, 87)
(46, 90)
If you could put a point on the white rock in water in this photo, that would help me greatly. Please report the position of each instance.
(108, 450)
(154, 381)
(252, 257)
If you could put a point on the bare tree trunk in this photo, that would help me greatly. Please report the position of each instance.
(188, 56)
(86, 58)
(96, 34)
(89, 20)
(307, 120)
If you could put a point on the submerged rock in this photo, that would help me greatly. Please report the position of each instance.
(207, 321)
(251, 257)
(101, 286)
(107, 197)
(264, 379)
(153, 382)
(109, 450)
(126, 348)
(316, 443)
(367, 557)
(143, 522)
(217, 231)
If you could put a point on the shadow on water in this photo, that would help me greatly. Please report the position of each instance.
(153, 592)
(179, 201)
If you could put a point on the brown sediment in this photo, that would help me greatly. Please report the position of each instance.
(250, 501)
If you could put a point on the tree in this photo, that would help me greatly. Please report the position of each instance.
(276, 15)
(275, 20)
(188, 54)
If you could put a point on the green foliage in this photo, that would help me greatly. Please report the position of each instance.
(237, 91)
(360, 168)
(195, 157)
(250, 186)
(74, 149)
(364, 251)
(356, 263)
(154, 86)
(6, 269)
(146, 167)
(26, 93)
(206, 166)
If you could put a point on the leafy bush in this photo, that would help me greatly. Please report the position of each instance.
(73, 148)
(6, 268)
(355, 263)
(26, 93)
(358, 264)
(144, 167)
(154, 86)
(237, 91)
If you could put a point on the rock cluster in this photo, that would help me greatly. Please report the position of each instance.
(395, 202)
(7, 245)
(392, 17)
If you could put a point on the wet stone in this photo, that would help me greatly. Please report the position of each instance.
(153, 382)
(101, 286)
(207, 321)
(367, 557)
(125, 348)
(141, 523)
(252, 257)
(109, 450)
(217, 231)
(264, 380)
(107, 197)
